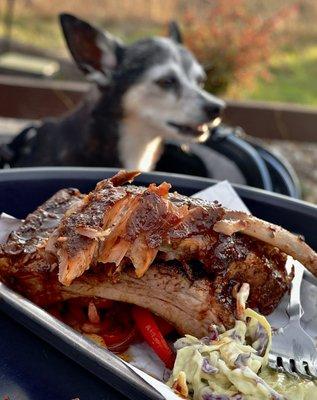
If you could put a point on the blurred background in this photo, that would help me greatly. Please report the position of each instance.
(261, 56)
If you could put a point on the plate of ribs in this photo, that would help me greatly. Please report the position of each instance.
(133, 264)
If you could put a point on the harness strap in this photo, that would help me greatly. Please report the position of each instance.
(10, 152)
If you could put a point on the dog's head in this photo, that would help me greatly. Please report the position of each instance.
(160, 82)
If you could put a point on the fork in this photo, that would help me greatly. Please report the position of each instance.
(293, 351)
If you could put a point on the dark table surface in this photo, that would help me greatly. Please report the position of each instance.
(31, 369)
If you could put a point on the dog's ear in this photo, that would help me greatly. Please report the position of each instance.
(175, 32)
(96, 53)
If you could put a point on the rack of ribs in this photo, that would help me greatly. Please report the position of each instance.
(182, 258)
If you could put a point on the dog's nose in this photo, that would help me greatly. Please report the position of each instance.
(213, 110)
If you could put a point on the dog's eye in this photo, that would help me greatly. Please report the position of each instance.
(167, 82)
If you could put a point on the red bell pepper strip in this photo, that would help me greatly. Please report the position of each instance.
(165, 327)
(119, 341)
(147, 326)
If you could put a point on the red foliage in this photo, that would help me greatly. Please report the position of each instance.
(231, 41)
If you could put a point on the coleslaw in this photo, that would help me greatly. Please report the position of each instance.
(233, 364)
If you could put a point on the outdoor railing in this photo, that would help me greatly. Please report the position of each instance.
(31, 98)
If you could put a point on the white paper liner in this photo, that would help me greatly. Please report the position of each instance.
(7, 225)
(225, 194)
(143, 357)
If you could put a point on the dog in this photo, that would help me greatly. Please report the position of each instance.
(143, 94)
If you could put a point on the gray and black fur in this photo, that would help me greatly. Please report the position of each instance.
(144, 94)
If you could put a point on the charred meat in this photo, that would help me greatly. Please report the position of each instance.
(183, 259)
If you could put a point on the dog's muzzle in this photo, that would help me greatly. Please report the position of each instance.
(197, 131)
(189, 130)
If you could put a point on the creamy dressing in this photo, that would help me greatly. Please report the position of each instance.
(233, 366)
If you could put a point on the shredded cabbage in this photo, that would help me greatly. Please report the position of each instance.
(233, 365)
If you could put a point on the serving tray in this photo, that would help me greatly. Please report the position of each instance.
(31, 369)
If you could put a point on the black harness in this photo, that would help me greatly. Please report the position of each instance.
(11, 152)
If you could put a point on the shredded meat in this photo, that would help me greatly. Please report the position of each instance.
(113, 223)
